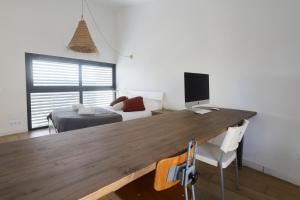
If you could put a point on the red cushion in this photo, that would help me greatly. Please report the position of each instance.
(118, 100)
(134, 104)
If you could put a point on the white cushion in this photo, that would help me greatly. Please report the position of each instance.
(118, 106)
(210, 154)
(152, 104)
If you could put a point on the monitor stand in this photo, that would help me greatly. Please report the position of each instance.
(194, 104)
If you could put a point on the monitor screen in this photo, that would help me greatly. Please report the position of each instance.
(196, 87)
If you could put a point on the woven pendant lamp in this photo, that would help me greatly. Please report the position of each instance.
(82, 41)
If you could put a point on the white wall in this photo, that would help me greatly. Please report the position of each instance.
(43, 27)
(250, 48)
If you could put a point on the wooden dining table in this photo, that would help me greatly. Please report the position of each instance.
(93, 162)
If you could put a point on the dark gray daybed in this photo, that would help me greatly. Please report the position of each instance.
(66, 119)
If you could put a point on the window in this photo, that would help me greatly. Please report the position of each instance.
(55, 82)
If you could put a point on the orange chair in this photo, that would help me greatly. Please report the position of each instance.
(169, 173)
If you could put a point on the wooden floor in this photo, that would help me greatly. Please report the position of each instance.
(23, 136)
(254, 185)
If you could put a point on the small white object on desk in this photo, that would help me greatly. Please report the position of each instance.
(204, 108)
(201, 111)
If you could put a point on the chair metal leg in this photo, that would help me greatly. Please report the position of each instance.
(237, 179)
(193, 192)
(222, 181)
(186, 193)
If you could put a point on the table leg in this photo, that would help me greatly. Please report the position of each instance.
(240, 154)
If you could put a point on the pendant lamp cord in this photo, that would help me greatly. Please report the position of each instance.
(82, 9)
(100, 31)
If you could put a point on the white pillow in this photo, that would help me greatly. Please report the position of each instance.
(152, 104)
(87, 111)
(118, 106)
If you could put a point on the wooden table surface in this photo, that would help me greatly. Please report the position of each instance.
(92, 162)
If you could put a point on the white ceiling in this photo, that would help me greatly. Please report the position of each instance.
(119, 3)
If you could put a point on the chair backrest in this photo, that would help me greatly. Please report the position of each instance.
(162, 170)
(233, 137)
(163, 167)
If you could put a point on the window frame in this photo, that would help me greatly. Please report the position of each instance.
(30, 88)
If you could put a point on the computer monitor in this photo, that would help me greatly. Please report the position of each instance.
(196, 87)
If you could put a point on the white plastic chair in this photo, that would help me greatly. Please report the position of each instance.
(223, 155)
